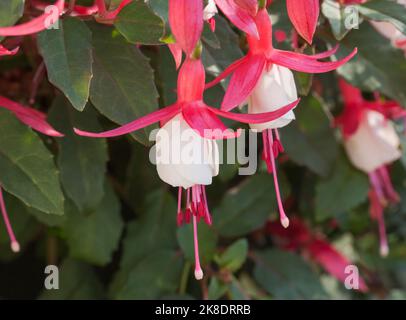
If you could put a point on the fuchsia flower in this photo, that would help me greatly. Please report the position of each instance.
(36, 120)
(304, 15)
(372, 143)
(313, 245)
(190, 113)
(263, 80)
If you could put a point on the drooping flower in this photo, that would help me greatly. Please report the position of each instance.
(190, 116)
(36, 120)
(191, 112)
(263, 80)
(371, 143)
(315, 246)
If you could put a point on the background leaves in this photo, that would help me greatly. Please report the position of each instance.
(97, 209)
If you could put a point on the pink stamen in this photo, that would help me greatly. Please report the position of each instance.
(377, 198)
(180, 213)
(376, 185)
(277, 147)
(282, 215)
(198, 269)
(15, 246)
(383, 240)
(388, 188)
(212, 24)
(207, 215)
(267, 150)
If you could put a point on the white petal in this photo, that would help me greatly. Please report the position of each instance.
(374, 144)
(210, 10)
(275, 90)
(190, 158)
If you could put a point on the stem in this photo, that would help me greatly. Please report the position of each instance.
(52, 250)
(185, 277)
(36, 80)
(71, 7)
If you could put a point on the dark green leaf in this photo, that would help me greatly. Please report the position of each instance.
(234, 257)
(94, 236)
(286, 276)
(27, 168)
(82, 161)
(67, 53)
(156, 229)
(122, 87)
(10, 12)
(77, 281)
(217, 288)
(309, 140)
(378, 66)
(343, 190)
(139, 25)
(247, 206)
(383, 10)
(207, 242)
(153, 277)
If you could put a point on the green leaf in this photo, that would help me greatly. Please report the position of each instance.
(142, 179)
(247, 206)
(383, 10)
(234, 257)
(123, 86)
(27, 169)
(207, 241)
(336, 15)
(94, 236)
(215, 58)
(160, 7)
(378, 66)
(10, 12)
(343, 190)
(286, 276)
(67, 54)
(154, 230)
(217, 289)
(82, 161)
(77, 281)
(155, 276)
(309, 140)
(139, 24)
(168, 78)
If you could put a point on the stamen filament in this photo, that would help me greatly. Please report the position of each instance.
(15, 246)
(198, 269)
(282, 215)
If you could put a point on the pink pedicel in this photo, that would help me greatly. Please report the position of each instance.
(15, 246)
